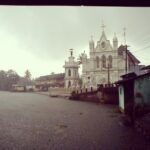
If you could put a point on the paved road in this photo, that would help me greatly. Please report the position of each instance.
(31, 121)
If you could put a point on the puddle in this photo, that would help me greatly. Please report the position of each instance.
(60, 128)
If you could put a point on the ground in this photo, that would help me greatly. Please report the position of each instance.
(30, 121)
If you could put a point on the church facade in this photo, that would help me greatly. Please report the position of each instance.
(106, 62)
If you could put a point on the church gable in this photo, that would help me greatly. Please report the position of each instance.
(103, 45)
(103, 37)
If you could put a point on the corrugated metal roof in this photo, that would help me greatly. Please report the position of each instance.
(50, 77)
(125, 80)
(122, 48)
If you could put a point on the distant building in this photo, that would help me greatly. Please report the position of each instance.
(18, 88)
(53, 80)
(23, 85)
(71, 72)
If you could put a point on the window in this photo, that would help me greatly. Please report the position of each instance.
(103, 44)
(110, 61)
(120, 90)
(69, 84)
(69, 72)
(103, 61)
(75, 73)
(97, 61)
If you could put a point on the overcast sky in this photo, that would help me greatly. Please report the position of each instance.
(39, 38)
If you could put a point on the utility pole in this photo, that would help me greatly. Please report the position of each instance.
(126, 55)
(126, 59)
(108, 74)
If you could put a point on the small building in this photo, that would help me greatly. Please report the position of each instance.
(23, 85)
(71, 72)
(18, 88)
(54, 80)
(134, 91)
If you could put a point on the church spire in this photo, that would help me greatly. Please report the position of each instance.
(103, 36)
(124, 35)
(103, 26)
(115, 37)
(115, 42)
(91, 44)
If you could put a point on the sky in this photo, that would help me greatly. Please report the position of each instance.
(38, 38)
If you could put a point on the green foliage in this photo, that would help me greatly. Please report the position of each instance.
(27, 74)
(7, 78)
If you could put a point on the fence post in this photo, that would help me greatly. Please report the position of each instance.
(91, 89)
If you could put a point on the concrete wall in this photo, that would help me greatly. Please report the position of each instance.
(59, 92)
(142, 90)
(121, 97)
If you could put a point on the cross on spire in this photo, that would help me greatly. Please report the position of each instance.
(103, 26)
(71, 51)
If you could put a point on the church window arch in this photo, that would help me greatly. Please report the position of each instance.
(69, 84)
(103, 61)
(110, 61)
(75, 73)
(97, 61)
(69, 72)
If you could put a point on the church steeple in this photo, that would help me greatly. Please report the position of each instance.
(103, 26)
(71, 72)
(103, 36)
(115, 42)
(91, 44)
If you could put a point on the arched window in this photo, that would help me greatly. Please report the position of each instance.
(69, 72)
(97, 61)
(103, 61)
(69, 84)
(75, 73)
(110, 61)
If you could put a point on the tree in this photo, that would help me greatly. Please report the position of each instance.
(12, 78)
(3, 80)
(27, 74)
(7, 78)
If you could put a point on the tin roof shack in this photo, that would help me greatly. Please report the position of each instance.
(134, 93)
(126, 91)
(142, 91)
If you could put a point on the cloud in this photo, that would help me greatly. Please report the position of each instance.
(43, 35)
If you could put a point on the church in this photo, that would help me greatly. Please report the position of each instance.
(106, 62)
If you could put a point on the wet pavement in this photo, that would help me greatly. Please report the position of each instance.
(30, 121)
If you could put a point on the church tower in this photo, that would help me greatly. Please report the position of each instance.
(91, 45)
(71, 72)
(115, 42)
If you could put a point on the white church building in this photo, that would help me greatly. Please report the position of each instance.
(71, 72)
(106, 62)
